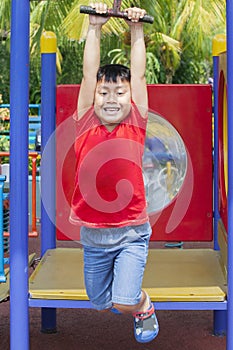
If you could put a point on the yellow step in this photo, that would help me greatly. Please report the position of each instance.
(171, 275)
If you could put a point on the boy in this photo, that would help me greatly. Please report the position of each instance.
(109, 199)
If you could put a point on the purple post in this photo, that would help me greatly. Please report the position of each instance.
(219, 46)
(48, 164)
(19, 96)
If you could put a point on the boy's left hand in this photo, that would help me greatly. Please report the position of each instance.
(134, 14)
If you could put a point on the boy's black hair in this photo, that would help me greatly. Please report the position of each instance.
(110, 73)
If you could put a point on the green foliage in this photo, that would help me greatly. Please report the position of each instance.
(5, 11)
(120, 56)
(152, 68)
(178, 43)
(72, 53)
(4, 147)
(5, 70)
(5, 139)
(192, 71)
(4, 144)
(4, 130)
(35, 80)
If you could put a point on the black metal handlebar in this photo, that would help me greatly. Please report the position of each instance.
(111, 13)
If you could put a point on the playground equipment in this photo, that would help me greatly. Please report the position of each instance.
(48, 287)
(178, 139)
(6, 171)
(114, 12)
(4, 242)
(4, 222)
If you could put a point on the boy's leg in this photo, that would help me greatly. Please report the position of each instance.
(127, 295)
(98, 275)
(129, 267)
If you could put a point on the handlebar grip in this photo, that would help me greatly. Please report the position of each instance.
(147, 19)
(90, 11)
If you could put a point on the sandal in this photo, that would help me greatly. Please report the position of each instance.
(146, 326)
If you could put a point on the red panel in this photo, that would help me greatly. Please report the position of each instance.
(66, 105)
(222, 185)
(188, 108)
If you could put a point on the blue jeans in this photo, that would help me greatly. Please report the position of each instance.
(114, 274)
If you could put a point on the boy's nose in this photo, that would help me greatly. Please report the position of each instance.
(112, 97)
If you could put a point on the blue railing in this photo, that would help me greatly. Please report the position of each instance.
(31, 105)
(34, 124)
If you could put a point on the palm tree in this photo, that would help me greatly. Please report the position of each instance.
(5, 10)
(181, 27)
(186, 25)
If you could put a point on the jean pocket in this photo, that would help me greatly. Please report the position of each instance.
(144, 232)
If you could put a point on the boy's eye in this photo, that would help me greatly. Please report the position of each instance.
(119, 93)
(103, 93)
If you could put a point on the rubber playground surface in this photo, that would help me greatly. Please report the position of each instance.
(86, 329)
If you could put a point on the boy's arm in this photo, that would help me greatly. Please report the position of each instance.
(91, 61)
(138, 60)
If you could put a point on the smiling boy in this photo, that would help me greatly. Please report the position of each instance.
(109, 198)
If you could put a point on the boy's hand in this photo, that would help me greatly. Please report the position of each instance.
(99, 7)
(134, 15)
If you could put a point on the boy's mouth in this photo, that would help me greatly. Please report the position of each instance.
(111, 109)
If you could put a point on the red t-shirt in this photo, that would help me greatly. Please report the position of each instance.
(109, 189)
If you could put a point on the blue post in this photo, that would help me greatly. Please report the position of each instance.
(219, 46)
(48, 164)
(229, 4)
(2, 274)
(19, 96)
(220, 323)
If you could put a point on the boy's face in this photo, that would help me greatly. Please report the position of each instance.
(112, 102)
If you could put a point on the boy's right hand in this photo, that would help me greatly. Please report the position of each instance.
(99, 7)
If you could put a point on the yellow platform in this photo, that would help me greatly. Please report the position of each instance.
(5, 287)
(171, 275)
